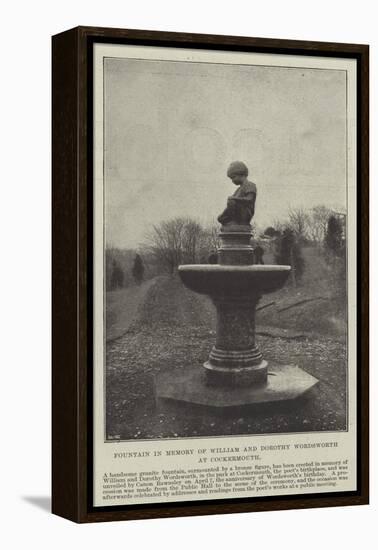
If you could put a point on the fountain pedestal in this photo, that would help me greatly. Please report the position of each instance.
(235, 373)
(235, 359)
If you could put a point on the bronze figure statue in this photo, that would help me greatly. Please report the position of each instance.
(241, 205)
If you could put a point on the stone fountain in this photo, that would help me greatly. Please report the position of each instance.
(235, 374)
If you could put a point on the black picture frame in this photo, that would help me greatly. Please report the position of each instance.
(72, 289)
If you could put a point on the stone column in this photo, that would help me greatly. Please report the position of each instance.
(235, 358)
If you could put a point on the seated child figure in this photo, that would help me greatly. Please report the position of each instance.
(241, 205)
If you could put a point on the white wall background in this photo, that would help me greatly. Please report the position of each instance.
(25, 273)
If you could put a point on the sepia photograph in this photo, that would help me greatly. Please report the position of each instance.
(224, 244)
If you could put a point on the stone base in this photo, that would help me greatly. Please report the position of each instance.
(236, 377)
(189, 387)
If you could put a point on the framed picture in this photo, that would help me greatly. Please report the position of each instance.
(210, 274)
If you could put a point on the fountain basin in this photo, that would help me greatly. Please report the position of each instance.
(216, 280)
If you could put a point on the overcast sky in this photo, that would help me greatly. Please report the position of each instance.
(172, 128)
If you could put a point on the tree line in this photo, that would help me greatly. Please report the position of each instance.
(319, 226)
(184, 240)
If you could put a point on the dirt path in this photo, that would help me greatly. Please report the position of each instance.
(175, 327)
(122, 307)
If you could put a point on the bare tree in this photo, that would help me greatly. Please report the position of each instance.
(279, 225)
(318, 221)
(210, 238)
(174, 242)
(191, 239)
(299, 222)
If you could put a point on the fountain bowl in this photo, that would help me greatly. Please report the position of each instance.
(215, 279)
